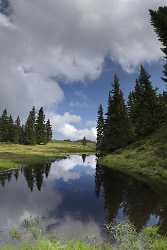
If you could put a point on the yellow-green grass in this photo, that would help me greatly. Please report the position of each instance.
(12, 155)
(146, 159)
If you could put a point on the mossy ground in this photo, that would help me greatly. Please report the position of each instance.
(145, 159)
(11, 155)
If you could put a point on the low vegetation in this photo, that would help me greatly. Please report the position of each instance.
(12, 155)
(145, 159)
(124, 236)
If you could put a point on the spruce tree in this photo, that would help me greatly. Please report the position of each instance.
(107, 123)
(84, 141)
(48, 131)
(100, 128)
(143, 105)
(159, 22)
(117, 128)
(11, 130)
(41, 134)
(4, 126)
(30, 131)
(17, 131)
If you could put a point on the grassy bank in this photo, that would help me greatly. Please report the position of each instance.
(146, 159)
(11, 155)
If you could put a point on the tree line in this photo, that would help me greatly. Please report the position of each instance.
(145, 110)
(34, 131)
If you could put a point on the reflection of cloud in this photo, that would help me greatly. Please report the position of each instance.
(65, 168)
(70, 228)
(18, 203)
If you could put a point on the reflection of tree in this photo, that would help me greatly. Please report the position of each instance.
(141, 203)
(84, 157)
(34, 175)
(28, 174)
(137, 200)
(16, 174)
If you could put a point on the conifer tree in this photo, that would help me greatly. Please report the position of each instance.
(143, 105)
(17, 131)
(4, 126)
(117, 128)
(107, 123)
(30, 132)
(48, 131)
(40, 127)
(159, 22)
(100, 128)
(84, 141)
(11, 130)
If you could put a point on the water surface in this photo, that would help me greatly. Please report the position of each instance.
(76, 199)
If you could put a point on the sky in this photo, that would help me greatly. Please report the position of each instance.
(62, 55)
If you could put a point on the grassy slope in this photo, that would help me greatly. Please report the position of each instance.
(146, 159)
(11, 154)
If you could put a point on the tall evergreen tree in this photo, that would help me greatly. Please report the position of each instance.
(107, 122)
(100, 128)
(159, 22)
(48, 131)
(117, 128)
(11, 129)
(143, 105)
(17, 131)
(4, 126)
(30, 131)
(40, 127)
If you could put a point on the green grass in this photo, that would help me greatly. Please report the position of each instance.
(12, 155)
(145, 160)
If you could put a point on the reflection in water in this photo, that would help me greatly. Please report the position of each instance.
(75, 193)
(84, 157)
(128, 199)
(60, 193)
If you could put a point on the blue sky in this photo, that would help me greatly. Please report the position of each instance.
(62, 55)
(83, 99)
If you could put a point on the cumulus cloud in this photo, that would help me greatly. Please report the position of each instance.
(42, 39)
(70, 131)
(66, 125)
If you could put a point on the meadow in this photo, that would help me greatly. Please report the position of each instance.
(13, 155)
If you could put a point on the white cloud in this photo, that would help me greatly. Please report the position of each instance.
(60, 120)
(69, 39)
(71, 132)
(66, 125)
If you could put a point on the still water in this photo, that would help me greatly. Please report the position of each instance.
(76, 199)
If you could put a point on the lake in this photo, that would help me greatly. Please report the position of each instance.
(75, 199)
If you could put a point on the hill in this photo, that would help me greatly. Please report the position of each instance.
(145, 160)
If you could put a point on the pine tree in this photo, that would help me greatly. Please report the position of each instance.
(4, 126)
(84, 141)
(30, 132)
(143, 105)
(48, 131)
(117, 128)
(11, 130)
(100, 128)
(17, 131)
(107, 123)
(41, 134)
(159, 22)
